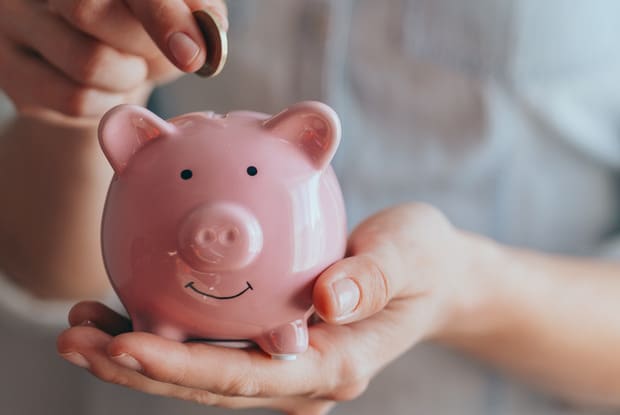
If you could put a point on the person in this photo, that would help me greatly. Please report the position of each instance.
(489, 297)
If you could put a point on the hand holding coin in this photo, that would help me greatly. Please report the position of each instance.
(181, 37)
(92, 55)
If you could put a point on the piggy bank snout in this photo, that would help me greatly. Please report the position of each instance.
(219, 237)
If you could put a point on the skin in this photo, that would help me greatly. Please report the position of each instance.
(525, 312)
(79, 61)
(554, 321)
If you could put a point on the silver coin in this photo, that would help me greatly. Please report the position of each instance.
(216, 41)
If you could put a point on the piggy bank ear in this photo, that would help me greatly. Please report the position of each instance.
(312, 126)
(125, 129)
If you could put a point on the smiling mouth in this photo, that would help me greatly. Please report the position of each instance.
(230, 297)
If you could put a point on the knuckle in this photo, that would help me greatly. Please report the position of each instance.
(349, 392)
(77, 102)
(176, 376)
(237, 385)
(425, 213)
(348, 370)
(351, 379)
(82, 12)
(378, 289)
(159, 17)
(63, 341)
(80, 101)
(90, 62)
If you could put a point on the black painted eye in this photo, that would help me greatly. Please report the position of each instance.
(186, 174)
(252, 171)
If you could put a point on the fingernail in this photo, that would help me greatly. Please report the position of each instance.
(183, 48)
(347, 294)
(87, 323)
(77, 359)
(127, 361)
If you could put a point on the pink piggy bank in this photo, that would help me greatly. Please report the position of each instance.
(215, 227)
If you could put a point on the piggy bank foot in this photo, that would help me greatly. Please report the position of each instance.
(285, 342)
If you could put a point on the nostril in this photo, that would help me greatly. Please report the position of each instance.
(206, 237)
(219, 237)
(229, 236)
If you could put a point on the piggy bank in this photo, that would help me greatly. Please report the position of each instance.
(216, 226)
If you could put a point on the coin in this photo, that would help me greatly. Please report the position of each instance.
(216, 41)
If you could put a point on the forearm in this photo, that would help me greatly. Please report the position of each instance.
(53, 179)
(553, 320)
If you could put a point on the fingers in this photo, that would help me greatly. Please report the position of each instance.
(33, 84)
(80, 57)
(220, 370)
(113, 23)
(171, 25)
(336, 368)
(97, 314)
(110, 21)
(86, 347)
(55, 67)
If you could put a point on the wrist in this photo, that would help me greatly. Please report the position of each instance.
(40, 120)
(53, 178)
(475, 303)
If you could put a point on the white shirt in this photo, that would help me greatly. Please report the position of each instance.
(505, 114)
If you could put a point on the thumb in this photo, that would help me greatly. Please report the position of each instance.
(171, 25)
(358, 286)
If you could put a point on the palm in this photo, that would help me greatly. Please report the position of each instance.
(395, 310)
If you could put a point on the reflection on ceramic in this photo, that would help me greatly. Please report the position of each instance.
(215, 227)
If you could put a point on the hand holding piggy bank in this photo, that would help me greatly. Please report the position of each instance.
(215, 227)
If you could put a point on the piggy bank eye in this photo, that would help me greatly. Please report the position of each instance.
(186, 174)
(252, 171)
